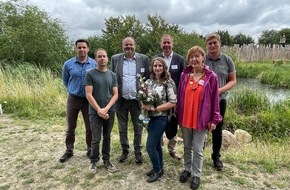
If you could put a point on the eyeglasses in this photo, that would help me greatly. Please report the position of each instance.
(214, 43)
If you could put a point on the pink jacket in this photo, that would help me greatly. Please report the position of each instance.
(209, 110)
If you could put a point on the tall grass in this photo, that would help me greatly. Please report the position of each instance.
(32, 92)
(29, 91)
(251, 110)
(268, 73)
(249, 102)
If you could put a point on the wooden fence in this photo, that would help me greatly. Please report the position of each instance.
(251, 53)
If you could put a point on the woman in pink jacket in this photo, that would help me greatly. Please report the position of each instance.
(197, 110)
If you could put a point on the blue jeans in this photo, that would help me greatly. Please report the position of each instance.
(156, 128)
(101, 126)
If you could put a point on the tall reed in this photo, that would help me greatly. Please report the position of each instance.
(268, 73)
(29, 91)
(251, 110)
(32, 92)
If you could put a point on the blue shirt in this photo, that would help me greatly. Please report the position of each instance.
(73, 74)
(129, 79)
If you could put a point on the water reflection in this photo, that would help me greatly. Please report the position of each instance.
(274, 95)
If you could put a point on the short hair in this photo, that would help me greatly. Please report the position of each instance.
(82, 40)
(212, 36)
(100, 49)
(165, 75)
(166, 35)
(193, 50)
(130, 38)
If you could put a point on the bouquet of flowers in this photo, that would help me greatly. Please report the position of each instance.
(147, 97)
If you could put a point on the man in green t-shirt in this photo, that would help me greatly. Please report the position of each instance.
(102, 93)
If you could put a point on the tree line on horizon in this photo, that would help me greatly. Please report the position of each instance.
(28, 34)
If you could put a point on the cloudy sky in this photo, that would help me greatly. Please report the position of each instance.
(83, 18)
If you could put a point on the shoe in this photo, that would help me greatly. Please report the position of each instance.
(109, 166)
(149, 173)
(174, 155)
(153, 177)
(195, 183)
(184, 176)
(65, 157)
(138, 158)
(124, 156)
(93, 167)
(89, 153)
(218, 164)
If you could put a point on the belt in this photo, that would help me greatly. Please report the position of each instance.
(77, 97)
(124, 99)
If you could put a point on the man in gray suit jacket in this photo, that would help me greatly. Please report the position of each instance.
(127, 65)
(175, 64)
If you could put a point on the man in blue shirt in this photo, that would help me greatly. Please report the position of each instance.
(73, 74)
(127, 66)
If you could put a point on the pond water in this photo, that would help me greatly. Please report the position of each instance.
(274, 95)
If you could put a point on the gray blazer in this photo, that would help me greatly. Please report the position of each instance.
(177, 65)
(142, 61)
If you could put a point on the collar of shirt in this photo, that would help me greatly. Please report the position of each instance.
(134, 57)
(214, 59)
(167, 59)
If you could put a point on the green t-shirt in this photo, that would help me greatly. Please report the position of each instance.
(103, 83)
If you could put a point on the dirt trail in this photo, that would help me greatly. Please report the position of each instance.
(29, 153)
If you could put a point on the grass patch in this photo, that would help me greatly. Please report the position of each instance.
(245, 167)
(277, 75)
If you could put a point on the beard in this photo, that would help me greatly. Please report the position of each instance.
(129, 52)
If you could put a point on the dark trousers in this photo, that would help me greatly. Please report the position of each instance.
(74, 106)
(101, 126)
(156, 128)
(132, 107)
(217, 133)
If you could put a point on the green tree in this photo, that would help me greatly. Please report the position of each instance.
(95, 43)
(155, 27)
(243, 39)
(30, 35)
(226, 38)
(286, 31)
(119, 28)
(184, 41)
(269, 37)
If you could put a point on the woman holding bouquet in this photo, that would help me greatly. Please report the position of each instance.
(161, 84)
(197, 110)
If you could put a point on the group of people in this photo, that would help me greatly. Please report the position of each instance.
(196, 94)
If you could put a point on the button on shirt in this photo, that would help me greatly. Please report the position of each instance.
(129, 79)
(168, 60)
(73, 74)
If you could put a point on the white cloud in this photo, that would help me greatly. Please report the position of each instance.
(84, 18)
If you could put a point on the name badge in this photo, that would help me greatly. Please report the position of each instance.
(174, 67)
(142, 70)
(201, 82)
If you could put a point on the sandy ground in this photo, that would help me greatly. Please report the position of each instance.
(30, 150)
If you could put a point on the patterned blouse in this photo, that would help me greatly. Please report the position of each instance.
(160, 89)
